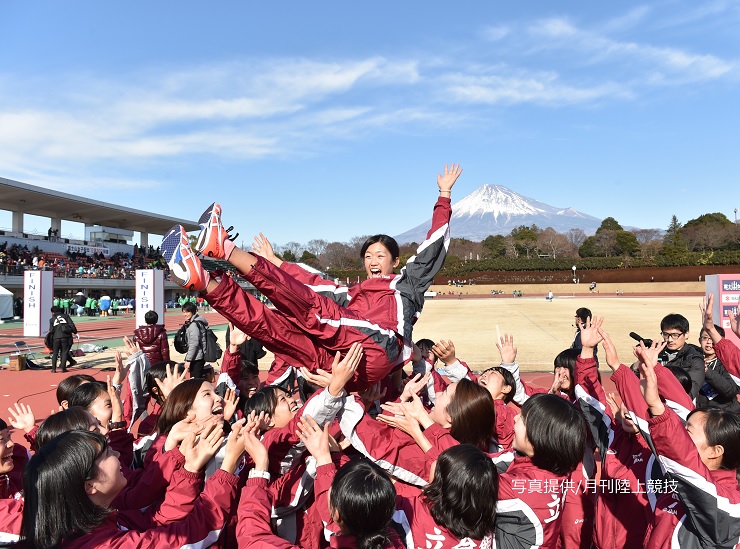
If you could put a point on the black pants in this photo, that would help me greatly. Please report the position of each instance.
(63, 346)
(196, 368)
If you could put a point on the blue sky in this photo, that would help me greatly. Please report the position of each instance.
(331, 119)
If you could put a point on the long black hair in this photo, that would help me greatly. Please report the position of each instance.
(463, 493)
(364, 497)
(57, 507)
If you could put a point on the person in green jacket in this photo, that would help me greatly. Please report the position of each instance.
(88, 306)
(114, 306)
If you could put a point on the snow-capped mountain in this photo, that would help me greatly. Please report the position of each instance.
(494, 209)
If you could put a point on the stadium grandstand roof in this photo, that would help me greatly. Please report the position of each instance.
(29, 199)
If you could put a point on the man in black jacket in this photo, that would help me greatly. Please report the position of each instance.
(675, 331)
(61, 327)
(719, 389)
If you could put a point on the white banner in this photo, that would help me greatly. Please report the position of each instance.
(88, 250)
(149, 294)
(38, 297)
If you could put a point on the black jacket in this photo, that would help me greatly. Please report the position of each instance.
(61, 327)
(691, 359)
(719, 389)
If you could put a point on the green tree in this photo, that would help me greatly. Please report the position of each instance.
(674, 244)
(627, 243)
(525, 239)
(494, 245)
(309, 259)
(609, 224)
(289, 256)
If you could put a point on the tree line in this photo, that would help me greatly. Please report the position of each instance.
(708, 239)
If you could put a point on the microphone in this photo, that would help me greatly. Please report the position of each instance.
(636, 337)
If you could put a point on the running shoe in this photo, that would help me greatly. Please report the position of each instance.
(185, 267)
(213, 235)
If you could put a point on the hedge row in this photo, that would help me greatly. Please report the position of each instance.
(454, 267)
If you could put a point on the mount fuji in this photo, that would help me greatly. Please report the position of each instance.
(494, 209)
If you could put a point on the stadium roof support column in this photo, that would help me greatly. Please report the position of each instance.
(56, 224)
(17, 222)
(144, 239)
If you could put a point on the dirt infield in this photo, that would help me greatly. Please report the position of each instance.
(542, 328)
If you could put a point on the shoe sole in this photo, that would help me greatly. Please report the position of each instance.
(207, 233)
(182, 262)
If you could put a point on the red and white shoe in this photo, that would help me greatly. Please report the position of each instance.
(185, 267)
(213, 236)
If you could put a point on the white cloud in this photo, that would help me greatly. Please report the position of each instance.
(676, 66)
(539, 88)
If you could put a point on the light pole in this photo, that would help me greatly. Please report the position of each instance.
(735, 216)
(574, 274)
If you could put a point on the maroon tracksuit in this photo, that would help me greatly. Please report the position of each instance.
(315, 319)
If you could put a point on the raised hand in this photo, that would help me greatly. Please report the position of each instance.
(319, 378)
(315, 439)
(262, 247)
(22, 417)
(611, 400)
(234, 447)
(445, 182)
(649, 355)
(413, 408)
(230, 401)
(253, 445)
(590, 336)
(181, 430)
(344, 369)
(612, 360)
(414, 385)
(236, 336)
(649, 388)
(557, 382)
(445, 351)
(115, 401)
(121, 370)
(131, 347)
(199, 451)
(172, 379)
(507, 349)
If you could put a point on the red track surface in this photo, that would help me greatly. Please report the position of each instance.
(113, 327)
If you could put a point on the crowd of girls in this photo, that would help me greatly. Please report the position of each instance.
(342, 448)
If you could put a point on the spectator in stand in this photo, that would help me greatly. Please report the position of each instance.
(152, 339)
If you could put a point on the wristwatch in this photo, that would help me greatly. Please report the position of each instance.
(254, 473)
(116, 425)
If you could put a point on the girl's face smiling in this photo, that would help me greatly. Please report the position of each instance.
(439, 413)
(207, 403)
(102, 410)
(285, 410)
(379, 261)
(109, 479)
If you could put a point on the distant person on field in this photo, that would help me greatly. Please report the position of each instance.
(61, 328)
(196, 331)
(152, 339)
